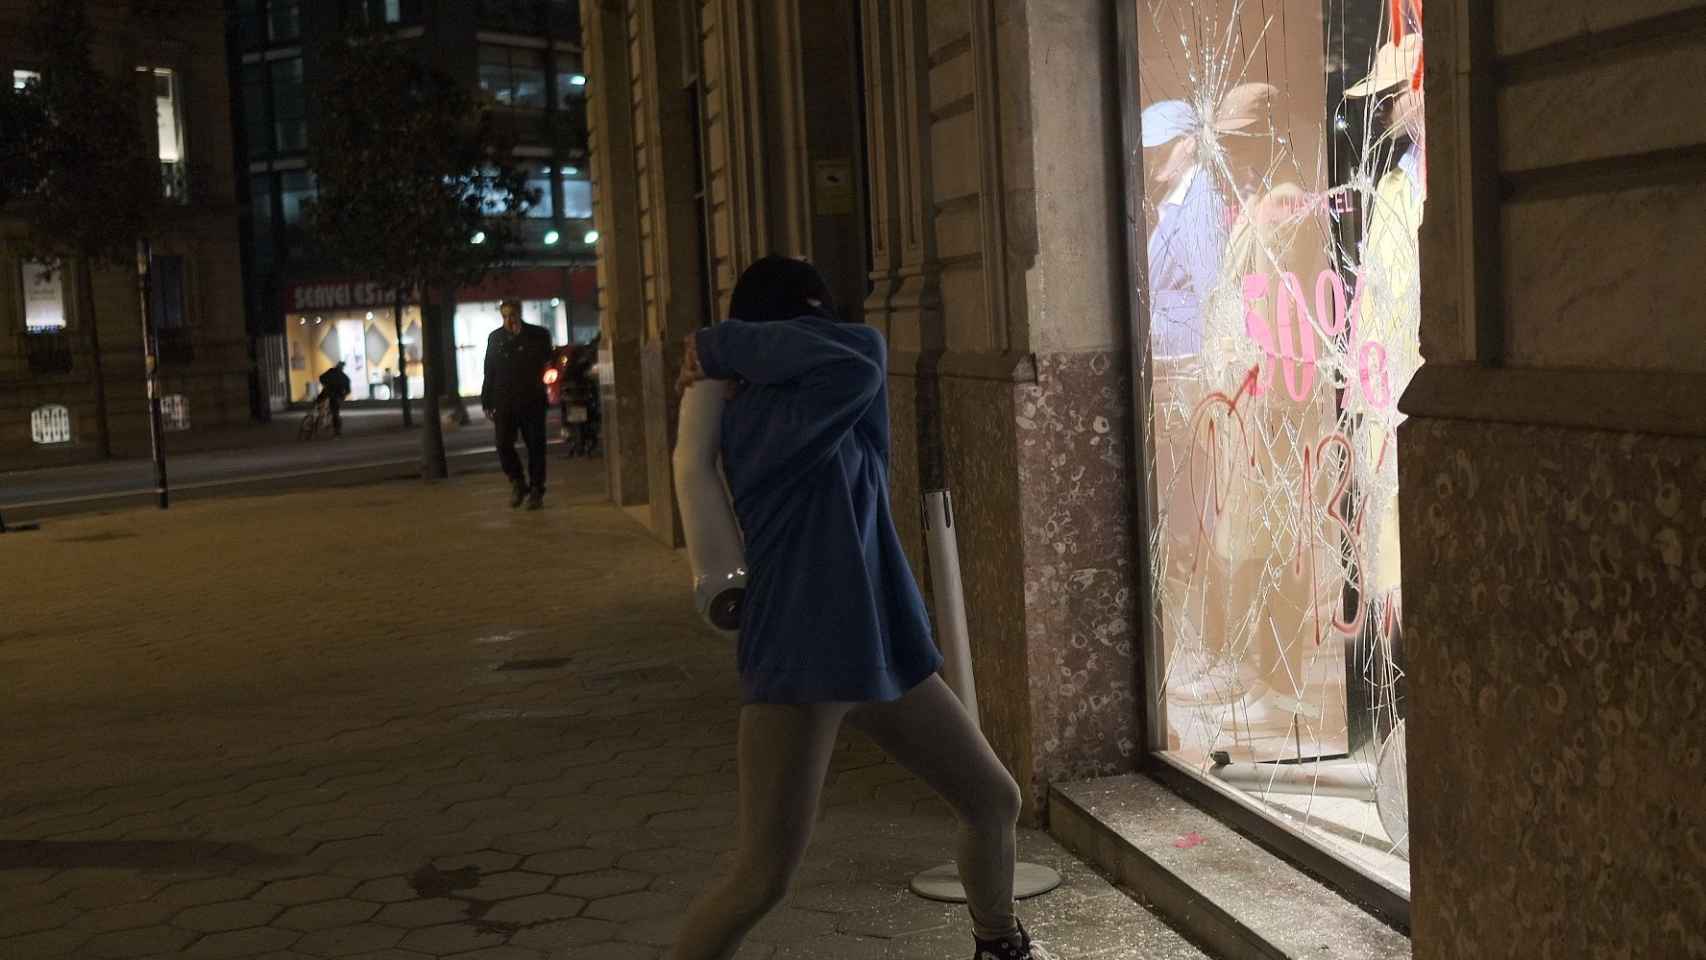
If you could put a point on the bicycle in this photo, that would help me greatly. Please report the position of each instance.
(316, 420)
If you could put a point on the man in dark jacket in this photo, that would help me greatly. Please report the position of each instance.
(513, 397)
(335, 386)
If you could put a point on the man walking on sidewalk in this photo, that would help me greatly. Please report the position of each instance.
(514, 400)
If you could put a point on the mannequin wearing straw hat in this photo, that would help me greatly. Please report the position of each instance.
(1389, 289)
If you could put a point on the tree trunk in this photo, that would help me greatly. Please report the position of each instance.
(433, 464)
(452, 373)
(402, 383)
(86, 293)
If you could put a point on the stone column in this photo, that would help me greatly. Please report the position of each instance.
(673, 270)
(616, 216)
(1552, 488)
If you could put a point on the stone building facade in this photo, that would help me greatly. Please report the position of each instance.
(176, 52)
(962, 170)
(1555, 498)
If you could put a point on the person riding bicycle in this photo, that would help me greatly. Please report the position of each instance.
(334, 387)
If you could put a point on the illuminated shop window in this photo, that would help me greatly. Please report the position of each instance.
(169, 131)
(1284, 161)
(44, 297)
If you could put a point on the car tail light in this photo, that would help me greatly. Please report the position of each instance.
(551, 376)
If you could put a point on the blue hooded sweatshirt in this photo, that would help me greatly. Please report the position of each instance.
(832, 612)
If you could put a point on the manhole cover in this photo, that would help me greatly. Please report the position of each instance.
(542, 663)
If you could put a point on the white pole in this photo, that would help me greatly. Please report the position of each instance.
(951, 635)
(954, 640)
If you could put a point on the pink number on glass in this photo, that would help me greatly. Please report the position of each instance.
(1329, 282)
(1291, 294)
(1256, 325)
(1373, 370)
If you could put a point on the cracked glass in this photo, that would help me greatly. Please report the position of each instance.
(1284, 158)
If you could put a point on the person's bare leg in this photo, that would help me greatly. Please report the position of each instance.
(784, 755)
(928, 732)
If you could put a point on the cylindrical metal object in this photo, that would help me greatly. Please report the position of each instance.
(714, 549)
(952, 637)
(1350, 781)
(151, 364)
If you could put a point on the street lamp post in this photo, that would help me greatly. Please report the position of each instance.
(151, 364)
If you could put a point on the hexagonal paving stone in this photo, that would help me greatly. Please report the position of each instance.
(137, 943)
(835, 945)
(617, 951)
(601, 883)
(448, 938)
(657, 931)
(367, 868)
(364, 848)
(667, 860)
(113, 891)
(458, 792)
(242, 943)
(47, 943)
(43, 917)
(230, 915)
(518, 823)
(511, 883)
(627, 907)
(539, 841)
(790, 925)
(192, 893)
(572, 860)
(422, 913)
(304, 889)
(898, 919)
(491, 808)
(326, 914)
(535, 909)
(126, 916)
(342, 828)
(566, 934)
(342, 941)
(661, 802)
(695, 819)
(502, 953)
(385, 890)
(486, 861)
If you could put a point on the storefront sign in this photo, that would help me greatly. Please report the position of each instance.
(337, 295)
(50, 424)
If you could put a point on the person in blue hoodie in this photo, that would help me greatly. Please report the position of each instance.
(833, 625)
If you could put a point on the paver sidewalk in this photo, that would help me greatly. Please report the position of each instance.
(402, 721)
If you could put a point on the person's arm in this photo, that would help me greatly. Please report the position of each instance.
(488, 380)
(827, 384)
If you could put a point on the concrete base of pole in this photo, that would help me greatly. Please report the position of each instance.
(943, 883)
